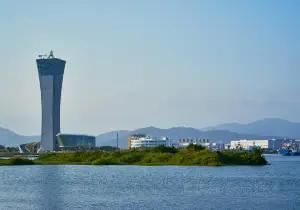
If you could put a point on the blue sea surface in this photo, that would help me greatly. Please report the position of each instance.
(274, 186)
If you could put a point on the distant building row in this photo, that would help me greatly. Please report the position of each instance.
(273, 144)
(145, 141)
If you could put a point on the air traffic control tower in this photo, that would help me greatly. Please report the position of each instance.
(51, 71)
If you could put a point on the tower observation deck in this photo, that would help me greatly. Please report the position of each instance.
(51, 71)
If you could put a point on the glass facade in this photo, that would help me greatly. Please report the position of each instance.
(74, 142)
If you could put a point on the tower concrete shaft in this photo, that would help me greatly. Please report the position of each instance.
(51, 71)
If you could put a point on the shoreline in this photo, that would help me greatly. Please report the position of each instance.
(160, 156)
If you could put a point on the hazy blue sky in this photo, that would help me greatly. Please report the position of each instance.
(164, 63)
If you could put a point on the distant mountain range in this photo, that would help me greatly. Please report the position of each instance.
(178, 132)
(261, 129)
(268, 126)
(10, 138)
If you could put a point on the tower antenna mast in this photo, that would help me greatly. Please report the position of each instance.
(51, 54)
(117, 140)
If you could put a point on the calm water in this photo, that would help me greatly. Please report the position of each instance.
(276, 186)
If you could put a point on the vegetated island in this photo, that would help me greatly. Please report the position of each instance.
(193, 155)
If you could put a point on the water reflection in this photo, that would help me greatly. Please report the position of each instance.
(274, 186)
(50, 187)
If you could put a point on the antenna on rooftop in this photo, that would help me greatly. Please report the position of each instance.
(51, 54)
(117, 140)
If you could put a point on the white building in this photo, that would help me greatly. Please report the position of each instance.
(184, 142)
(143, 141)
(249, 144)
(215, 146)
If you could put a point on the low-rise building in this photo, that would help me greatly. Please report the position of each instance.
(75, 142)
(144, 141)
(279, 143)
(250, 144)
(215, 146)
(31, 148)
(184, 142)
(227, 146)
(297, 141)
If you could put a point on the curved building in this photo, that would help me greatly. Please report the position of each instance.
(51, 71)
(75, 142)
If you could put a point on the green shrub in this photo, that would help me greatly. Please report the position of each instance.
(157, 158)
(20, 161)
(105, 161)
(164, 149)
(242, 158)
(192, 155)
(132, 157)
(195, 147)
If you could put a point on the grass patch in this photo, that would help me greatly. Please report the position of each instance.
(16, 161)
